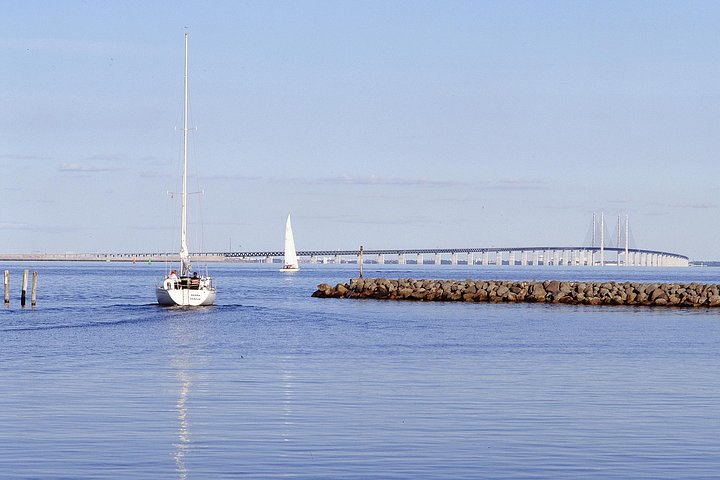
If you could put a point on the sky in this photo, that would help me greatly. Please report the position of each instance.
(404, 124)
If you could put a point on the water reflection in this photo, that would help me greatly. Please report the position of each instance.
(183, 444)
(288, 386)
(184, 337)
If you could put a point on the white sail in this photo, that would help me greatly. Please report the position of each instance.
(187, 289)
(290, 262)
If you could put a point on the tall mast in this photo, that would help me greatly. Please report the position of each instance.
(184, 254)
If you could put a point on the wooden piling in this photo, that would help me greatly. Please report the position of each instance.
(23, 294)
(33, 295)
(7, 286)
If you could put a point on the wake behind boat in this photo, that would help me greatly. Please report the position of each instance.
(185, 289)
(290, 260)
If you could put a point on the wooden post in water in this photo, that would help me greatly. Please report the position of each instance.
(23, 294)
(7, 287)
(33, 295)
(360, 260)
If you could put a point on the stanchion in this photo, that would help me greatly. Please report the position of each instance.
(24, 288)
(33, 295)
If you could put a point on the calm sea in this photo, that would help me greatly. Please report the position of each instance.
(98, 382)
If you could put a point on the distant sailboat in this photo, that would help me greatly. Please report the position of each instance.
(186, 289)
(290, 262)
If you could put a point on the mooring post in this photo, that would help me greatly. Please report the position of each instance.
(7, 287)
(33, 295)
(360, 260)
(24, 287)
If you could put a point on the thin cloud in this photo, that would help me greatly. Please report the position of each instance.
(37, 228)
(73, 167)
(355, 219)
(237, 177)
(516, 185)
(14, 226)
(109, 162)
(104, 157)
(382, 181)
(691, 206)
(31, 158)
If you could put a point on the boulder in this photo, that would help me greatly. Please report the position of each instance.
(552, 286)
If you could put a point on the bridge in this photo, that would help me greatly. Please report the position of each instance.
(552, 255)
(525, 256)
(599, 254)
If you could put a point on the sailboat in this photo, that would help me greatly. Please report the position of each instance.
(290, 262)
(186, 289)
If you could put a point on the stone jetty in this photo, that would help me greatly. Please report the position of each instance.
(550, 291)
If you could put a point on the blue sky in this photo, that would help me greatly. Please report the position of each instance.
(402, 124)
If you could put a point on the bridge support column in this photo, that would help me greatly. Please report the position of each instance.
(546, 258)
(453, 258)
(401, 259)
(438, 259)
(498, 258)
(381, 259)
(337, 259)
(268, 259)
(486, 258)
(523, 258)
(511, 258)
(420, 259)
(313, 259)
(470, 258)
(575, 258)
(565, 257)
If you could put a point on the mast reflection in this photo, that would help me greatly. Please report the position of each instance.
(183, 444)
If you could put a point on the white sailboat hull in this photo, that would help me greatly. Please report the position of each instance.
(185, 297)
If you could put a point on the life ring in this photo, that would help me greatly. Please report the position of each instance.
(168, 285)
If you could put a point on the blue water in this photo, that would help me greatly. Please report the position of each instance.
(98, 382)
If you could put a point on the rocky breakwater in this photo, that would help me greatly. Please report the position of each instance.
(550, 291)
